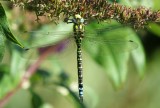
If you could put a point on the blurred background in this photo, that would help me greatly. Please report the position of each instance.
(47, 77)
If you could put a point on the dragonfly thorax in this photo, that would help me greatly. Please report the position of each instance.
(78, 26)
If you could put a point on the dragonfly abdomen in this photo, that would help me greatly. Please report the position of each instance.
(79, 68)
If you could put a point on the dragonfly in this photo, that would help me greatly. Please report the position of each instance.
(79, 34)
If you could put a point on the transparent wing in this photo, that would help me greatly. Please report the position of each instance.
(38, 42)
(116, 46)
(93, 40)
(117, 41)
(42, 43)
(35, 39)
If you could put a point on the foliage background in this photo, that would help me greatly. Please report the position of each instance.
(138, 87)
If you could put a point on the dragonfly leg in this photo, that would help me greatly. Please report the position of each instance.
(67, 20)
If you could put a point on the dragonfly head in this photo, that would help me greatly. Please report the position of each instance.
(78, 19)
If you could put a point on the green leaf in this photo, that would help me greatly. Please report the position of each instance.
(5, 27)
(155, 28)
(17, 65)
(137, 3)
(4, 69)
(138, 55)
(36, 100)
(6, 85)
(2, 46)
(41, 75)
(114, 63)
(156, 4)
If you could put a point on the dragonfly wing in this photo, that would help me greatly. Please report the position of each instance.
(104, 29)
(47, 38)
(116, 46)
(115, 39)
(59, 42)
(36, 39)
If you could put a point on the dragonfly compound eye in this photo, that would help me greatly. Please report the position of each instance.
(82, 20)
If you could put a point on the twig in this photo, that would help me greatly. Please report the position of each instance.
(30, 71)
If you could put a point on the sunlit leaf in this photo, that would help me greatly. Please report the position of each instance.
(17, 66)
(156, 4)
(5, 27)
(136, 3)
(114, 63)
(138, 55)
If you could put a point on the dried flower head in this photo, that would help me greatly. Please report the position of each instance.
(88, 9)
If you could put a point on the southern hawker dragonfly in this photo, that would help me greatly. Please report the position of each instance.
(81, 36)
